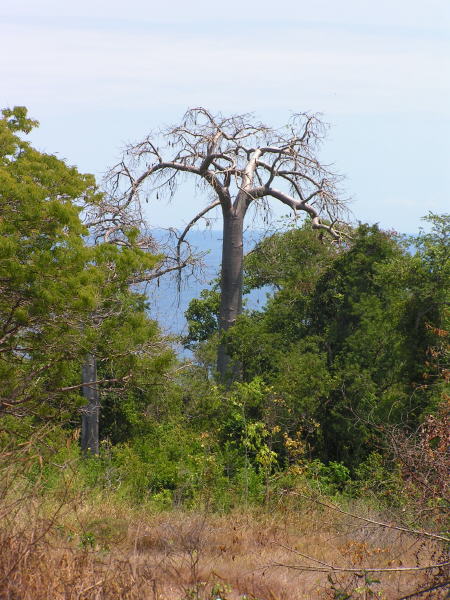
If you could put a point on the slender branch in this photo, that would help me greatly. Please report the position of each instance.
(92, 383)
(177, 166)
(147, 277)
(373, 522)
(192, 223)
(297, 205)
(428, 589)
(329, 568)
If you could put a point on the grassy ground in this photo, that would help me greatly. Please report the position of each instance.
(61, 539)
(88, 547)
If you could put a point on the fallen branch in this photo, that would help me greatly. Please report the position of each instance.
(424, 591)
(373, 522)
(329, 568)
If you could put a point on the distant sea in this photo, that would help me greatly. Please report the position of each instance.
(170, 298)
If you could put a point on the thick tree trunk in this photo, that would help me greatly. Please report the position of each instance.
(90, 412)
(231, 286)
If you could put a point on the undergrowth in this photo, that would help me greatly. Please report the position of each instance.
(100, 528)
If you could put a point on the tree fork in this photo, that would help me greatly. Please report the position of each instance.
(241, 162)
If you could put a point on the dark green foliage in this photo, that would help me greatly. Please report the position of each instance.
(348, 291)
(202, 317)
(295, 257)
(345, 340)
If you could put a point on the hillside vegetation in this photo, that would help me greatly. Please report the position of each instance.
(321, 471)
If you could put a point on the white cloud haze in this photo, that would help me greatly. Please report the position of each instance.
(100, 73)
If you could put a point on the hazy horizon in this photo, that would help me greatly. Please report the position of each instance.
(99, 75)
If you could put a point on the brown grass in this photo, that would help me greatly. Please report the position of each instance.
(85, 550)
(65, 545)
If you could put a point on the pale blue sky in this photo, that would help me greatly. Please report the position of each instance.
(102, 73)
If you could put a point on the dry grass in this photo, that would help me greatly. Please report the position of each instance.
(65, 545)
(85, 550)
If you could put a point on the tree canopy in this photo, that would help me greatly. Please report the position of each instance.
(61, 296)
(346, 339)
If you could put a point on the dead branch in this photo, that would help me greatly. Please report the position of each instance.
(222, 152)
(329, 568)
(373, 522)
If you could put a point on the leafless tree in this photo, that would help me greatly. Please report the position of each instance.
(112, 220)
(238, 162)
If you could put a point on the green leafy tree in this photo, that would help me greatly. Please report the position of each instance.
(272, 345)
(60, 297)
(347, 338)
(202, 316)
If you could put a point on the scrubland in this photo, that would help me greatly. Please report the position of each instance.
(67, 543)
(314, 466)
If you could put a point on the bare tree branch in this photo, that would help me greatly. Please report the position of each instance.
(329, 568)
(192, 222)
(219, 150)
(379, 523)
(239, 161)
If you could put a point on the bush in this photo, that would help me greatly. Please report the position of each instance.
(331, 478)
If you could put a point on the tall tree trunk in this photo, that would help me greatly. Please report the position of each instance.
(231, 285)
(90, 412)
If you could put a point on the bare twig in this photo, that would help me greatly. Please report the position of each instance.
(327, 567)
(373, 522)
